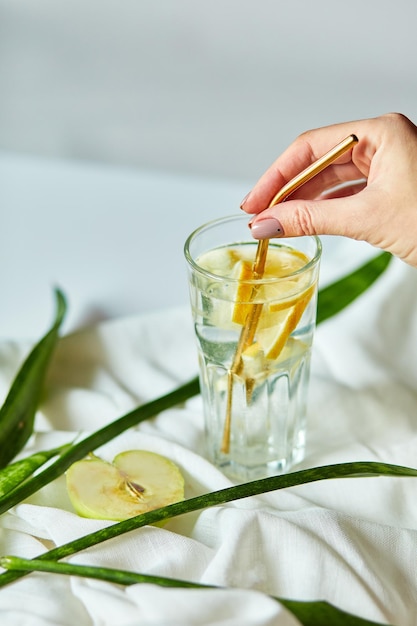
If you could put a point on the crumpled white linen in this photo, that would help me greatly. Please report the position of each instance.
(351, 542)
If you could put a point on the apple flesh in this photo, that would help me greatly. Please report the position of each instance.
(135, 482)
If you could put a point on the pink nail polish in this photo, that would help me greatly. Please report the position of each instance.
(244, 200)
(267, 229)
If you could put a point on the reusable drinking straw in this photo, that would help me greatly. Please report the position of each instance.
(248, 330)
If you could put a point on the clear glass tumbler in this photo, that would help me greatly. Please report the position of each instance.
(254, 336)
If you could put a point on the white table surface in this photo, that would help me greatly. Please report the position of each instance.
(111, 238)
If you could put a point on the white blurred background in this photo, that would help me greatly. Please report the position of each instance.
(213, 88)
(124, 124)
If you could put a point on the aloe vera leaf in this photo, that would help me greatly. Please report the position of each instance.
(15, 473)
(335, 297)
(309, 613)
(117, 576)
(85, 446)
(18, 411)
(321, 613)
(343, 470)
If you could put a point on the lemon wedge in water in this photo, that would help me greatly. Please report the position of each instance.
(283, 300)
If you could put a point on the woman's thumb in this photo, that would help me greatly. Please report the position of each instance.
(295, 218)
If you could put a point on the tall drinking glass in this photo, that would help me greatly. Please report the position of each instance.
(254, 337)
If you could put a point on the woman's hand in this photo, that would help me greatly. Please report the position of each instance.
(369, 193)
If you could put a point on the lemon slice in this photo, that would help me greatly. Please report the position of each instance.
(245, 293)
(283, 301)
(282, 324)
(279, 294)
(279, 301)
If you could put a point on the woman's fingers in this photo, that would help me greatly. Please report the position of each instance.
(294, 218)
(303, 152)
(372, 215)
(370, 193)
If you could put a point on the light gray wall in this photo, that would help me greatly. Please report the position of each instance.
(214, 88)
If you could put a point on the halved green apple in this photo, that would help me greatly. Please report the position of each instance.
(135, 482)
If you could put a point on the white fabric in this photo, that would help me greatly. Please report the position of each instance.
(351, 542)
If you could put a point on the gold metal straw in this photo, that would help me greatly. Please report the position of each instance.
(249, 329)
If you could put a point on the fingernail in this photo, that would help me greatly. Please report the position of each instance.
(267, 228)
(244, 200)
